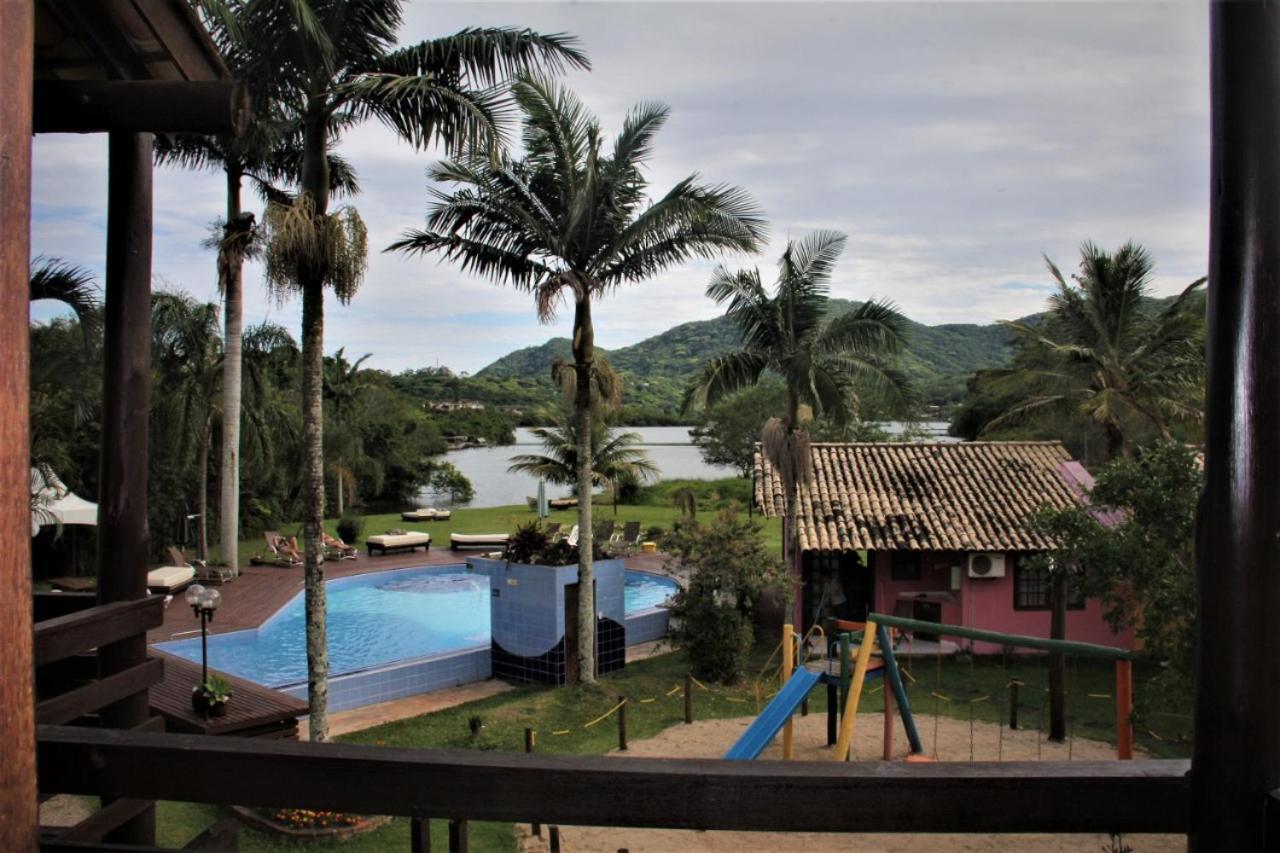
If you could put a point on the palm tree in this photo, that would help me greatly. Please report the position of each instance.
(187, 357)
(71, 285)
(823, 360)
(614, 454)
(570, 219)
(1105, 354)
(267, 153)
(335, 60)
(343, 384)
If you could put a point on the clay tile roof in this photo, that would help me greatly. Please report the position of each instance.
(962, 496)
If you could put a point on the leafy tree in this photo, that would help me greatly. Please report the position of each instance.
(335, 60)
(1142, 569)
(448, 480)
(728, 431)
(730, 571)
(570, 220)
(1104, 355)
(823, 360)
(343, 383)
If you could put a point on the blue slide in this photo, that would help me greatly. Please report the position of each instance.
(774, 716)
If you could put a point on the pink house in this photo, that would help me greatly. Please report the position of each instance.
(935, 532)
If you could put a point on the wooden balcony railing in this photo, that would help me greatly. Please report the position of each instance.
(1130, 796)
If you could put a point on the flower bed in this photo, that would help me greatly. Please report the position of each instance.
(309, 823)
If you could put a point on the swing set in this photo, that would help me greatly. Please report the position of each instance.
(846, 677)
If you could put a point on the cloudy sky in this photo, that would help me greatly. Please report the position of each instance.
(953, 142)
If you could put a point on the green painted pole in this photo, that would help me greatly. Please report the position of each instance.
(1065, 646)
(899, 689)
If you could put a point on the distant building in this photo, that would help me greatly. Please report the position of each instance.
(934, 532)
(454, 405)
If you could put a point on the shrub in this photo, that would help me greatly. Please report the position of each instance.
(730, 569)
(350, 527)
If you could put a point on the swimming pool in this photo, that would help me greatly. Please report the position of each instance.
(378, 619)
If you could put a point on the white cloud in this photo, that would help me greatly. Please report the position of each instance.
(954, 143)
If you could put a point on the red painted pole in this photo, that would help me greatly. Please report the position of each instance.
(1124, 710)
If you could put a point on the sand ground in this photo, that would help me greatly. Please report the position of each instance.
(990, 742)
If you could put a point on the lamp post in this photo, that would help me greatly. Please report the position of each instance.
(203, 602)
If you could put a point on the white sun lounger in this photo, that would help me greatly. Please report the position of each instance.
(458, 541)
(387, 542)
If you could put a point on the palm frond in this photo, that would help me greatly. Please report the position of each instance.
(71, 285)
(723, 375)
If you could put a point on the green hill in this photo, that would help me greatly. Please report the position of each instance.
(939, 359)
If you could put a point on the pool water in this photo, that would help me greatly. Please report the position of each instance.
(376, 619)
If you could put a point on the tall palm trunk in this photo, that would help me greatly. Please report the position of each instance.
(231, 273)
(583, 356)
(202, 499)
(315, 183)
(792, 537)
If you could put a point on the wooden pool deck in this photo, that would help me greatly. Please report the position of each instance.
(260, 591)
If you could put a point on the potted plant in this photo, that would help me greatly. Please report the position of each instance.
(211, 697)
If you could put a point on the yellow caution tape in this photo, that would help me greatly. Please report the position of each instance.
(561, 732)
(647, 701)
(980, 699)
(1099, 695)
(674, 690)
(938, 695)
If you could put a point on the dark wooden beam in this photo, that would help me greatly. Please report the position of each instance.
(1104, 796)
(91, 106)
(1237, 740)
(94, 695)
(64, 636)
(123, 538)
(18, 823)
(102, 822)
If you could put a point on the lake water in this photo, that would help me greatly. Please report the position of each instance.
(669, 447)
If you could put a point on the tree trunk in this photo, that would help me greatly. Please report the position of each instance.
(313, 518)
(583, 356)
(315, 183)
(1057, 660)
(202, 499)
(340, 477)
(231, 280)
(1115, 442)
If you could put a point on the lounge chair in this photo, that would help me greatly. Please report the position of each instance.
(553, 530)
(399, 541)
(572, 538)
(282, 552)
(336, 549)
(205, 573)
(631, 534)
(425, 513)
(460, 541)
(443, 514)
(170, 579)
(604, 533)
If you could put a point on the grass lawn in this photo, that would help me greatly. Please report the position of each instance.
(648, 683)
(504, 519)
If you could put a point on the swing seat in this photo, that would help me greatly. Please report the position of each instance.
(919, 758)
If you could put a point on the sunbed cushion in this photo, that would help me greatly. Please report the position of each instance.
(424, 514)
(478, 538)
(398, 540)
(170, 577)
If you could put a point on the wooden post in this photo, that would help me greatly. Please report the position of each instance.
(17, 721)
(530, 741)
(688, 698)
(555, 839)
(833, 711)
(123, 540)
(457, 836)
(1013, 704)
(1124, 710)
(420, 835)
(1236, 757)
(788, 664)
(888, 719)
(622, 724)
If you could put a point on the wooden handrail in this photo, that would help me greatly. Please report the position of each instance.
(1129, 796)
(78, 632)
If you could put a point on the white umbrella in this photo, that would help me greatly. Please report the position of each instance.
(51, 496)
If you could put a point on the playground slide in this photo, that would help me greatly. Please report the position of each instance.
(774, 716)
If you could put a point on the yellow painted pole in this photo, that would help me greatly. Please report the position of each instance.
(855, 691)
(788, 664)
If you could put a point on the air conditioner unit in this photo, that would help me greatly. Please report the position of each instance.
(986, 565)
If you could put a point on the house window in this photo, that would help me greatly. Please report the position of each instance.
(1032, 589)
(905, 566)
